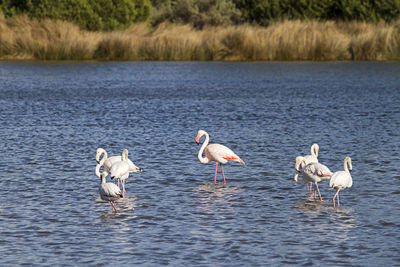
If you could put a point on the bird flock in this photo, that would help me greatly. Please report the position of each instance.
(308, 170)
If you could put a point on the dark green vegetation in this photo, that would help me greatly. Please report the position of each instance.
(89, 14)
(120, 14)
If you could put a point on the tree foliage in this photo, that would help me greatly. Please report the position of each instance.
(265, 11)
(120, 14)
(199, 13)
(89, 14)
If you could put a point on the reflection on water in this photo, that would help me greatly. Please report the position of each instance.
(54, 117)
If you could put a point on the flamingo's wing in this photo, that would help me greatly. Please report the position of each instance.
(109, 191)
(222, 154)
(340, 179)
(310, 159)
(111, 161)
(120, 169)
(133, 167)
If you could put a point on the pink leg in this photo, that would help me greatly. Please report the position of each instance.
(315, 189)
(319, 194)
(338, 203)
(215, 177)
(223, 175)
(113, 206)
(309, 188)
(123, 189)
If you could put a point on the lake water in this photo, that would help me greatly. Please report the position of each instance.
(55, 115)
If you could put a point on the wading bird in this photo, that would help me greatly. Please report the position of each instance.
(108, 162)
(341, 179)
(314, 173)
(312, 158)
(215, 152)
(108, 191)
(120, 170)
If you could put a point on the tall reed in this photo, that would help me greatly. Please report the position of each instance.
(23, 38)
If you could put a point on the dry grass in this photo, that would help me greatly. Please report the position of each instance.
(23, 38)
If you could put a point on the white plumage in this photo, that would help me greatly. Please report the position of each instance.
(215, 152)
(312, 158)
(108, 162)
(120, 170)
(341, 179)
(313, 173)
(108, 191)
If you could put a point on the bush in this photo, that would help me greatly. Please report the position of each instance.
(198, 13)
(264, 12)
(89, 14)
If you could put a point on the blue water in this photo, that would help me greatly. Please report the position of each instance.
(55, 115)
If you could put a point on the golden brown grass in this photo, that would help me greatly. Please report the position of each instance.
(23, 38)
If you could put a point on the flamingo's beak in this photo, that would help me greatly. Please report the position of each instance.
(98, 162)
(197, 139)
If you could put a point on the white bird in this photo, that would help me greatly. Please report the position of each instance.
(108, 162)
(313, 172)
(341, 179)
(120, 170)
(215, 152)
(108, 191)
(312, 158)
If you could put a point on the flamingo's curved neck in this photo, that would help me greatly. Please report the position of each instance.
(314, 150)
(97, 171)
(299, 160)
(203, 146)
(124, 156)
(102, 151)
(347, 164)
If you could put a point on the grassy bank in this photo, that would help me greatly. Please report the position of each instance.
(22, 38)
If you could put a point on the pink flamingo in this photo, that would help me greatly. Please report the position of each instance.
(215, 152)
(312, 158)
(341, 179)
(313, 173)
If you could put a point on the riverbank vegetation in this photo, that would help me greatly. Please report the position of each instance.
(200, 30)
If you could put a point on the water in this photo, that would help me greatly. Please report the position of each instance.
(55, 115)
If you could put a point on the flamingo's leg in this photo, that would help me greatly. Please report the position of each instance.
(215, 176)
(123, 190)
(338, 203)
(223, 175)
(113, 206)
(319, 194)
(315, 189)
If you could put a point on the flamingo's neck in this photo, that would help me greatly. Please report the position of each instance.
(124, 156)
(97, 170)
(203, 146)
(101, 152)
(299, 161)
(347, 164)
(314, 150)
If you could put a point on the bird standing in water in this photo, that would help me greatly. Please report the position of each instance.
(215, 152)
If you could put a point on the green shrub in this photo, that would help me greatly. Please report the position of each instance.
(198, 13)
(89, 14)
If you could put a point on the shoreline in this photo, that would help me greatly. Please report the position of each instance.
(24, 39)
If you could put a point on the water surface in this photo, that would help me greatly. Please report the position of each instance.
(55, 115)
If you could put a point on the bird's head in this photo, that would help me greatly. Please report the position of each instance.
(299, 160)
(200, 133)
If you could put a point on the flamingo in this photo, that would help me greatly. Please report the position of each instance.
(313, 172)
(108, 191)
(312, 158)
(341, 179)
(215, 152)
(108, 162)
(120, 170)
